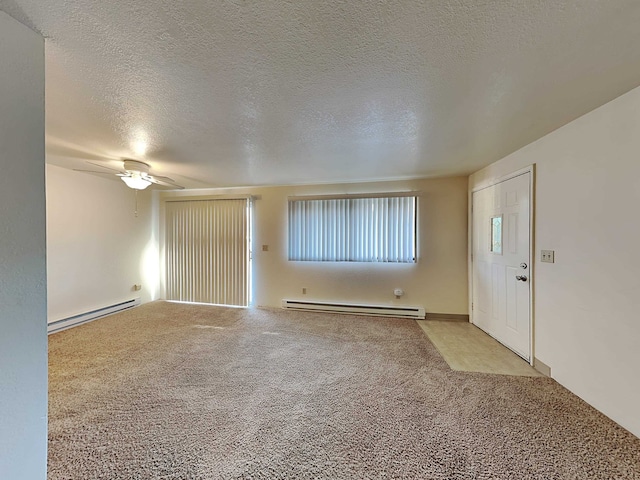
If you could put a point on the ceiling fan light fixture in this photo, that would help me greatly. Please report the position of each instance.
(137, 182)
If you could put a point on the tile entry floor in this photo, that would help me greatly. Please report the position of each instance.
(467, 348)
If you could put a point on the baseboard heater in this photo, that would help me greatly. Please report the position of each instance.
(403, 311)
(81, 318)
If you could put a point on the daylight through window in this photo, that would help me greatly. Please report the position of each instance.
(353, 229)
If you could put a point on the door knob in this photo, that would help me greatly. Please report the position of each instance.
(522, 278)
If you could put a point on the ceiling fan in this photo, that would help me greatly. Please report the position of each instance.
(136, 175)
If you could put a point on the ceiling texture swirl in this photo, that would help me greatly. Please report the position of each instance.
(272, 92)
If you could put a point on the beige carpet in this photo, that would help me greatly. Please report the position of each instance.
(466, 348)
(169, 391)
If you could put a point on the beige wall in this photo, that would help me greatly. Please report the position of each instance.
(97, 249)
(23, 310)
(586, 326)
(437, 281)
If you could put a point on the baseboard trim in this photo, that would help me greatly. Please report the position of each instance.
(82, 318)
(541, 367)
(399, 311)
(447, 317)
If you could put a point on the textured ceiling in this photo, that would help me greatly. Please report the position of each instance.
(306, 91)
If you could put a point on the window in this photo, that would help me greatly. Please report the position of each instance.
(496, 234)
(353, 228)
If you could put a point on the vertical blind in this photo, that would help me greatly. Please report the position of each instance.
(377, 229)
(207, 251)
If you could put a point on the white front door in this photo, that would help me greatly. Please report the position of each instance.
(501, 260)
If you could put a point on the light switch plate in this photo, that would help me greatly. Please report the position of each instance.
(547, 256)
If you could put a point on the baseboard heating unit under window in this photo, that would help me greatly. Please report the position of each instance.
(403, 311)
(81, 318)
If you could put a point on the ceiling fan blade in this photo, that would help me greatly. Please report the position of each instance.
(163, 179)
(108, 168)
(92, 171)
(163, 182)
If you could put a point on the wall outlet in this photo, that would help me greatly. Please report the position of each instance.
(304, 291)
(137, 287)
(547, 256)
(265, 248)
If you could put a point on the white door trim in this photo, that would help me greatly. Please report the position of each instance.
(489, 183)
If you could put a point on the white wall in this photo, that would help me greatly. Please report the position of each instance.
(23, 324)
(437, 281)
(587, 327)
(97, 249)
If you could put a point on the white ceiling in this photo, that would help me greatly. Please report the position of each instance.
(306, 91)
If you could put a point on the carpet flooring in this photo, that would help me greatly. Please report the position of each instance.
(171, 391)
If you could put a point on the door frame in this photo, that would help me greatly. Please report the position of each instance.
(490, 182)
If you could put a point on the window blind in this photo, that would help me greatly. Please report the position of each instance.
(207, 251)
(358, 229)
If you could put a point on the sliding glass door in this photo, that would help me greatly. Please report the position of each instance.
(207, 251)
